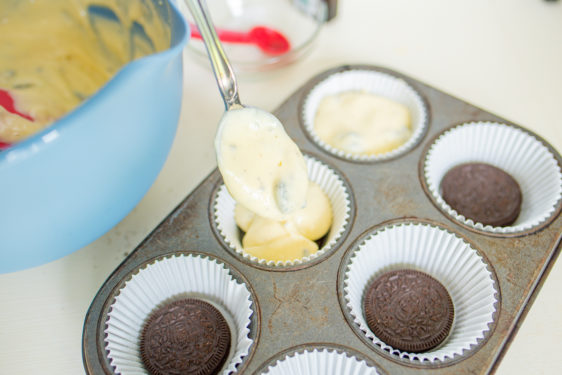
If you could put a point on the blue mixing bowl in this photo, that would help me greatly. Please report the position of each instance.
(70, 183)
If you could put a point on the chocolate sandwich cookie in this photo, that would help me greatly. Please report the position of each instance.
(188, 336)
(408, 310)
(483, 193)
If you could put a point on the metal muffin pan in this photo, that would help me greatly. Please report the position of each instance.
(303, 307)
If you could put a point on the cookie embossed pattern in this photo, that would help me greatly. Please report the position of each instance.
(185, 336)
(388, 216)
(409, 310)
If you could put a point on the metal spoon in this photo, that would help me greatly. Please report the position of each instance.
(274, 152)
(221, 66)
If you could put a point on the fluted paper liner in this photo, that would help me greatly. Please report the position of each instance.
(511, 149)
(320, 362)
(328, 180)
(167, 279)
(373, 82)
(440, 254)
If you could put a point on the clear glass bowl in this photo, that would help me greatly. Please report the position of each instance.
(299, 21)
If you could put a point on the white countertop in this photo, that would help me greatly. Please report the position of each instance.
(504, 56)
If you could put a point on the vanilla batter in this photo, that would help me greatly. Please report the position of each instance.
(362, 123)
(262, 168)
(292, 238)
(56, 53)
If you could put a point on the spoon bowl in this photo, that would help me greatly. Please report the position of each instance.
(268, 40)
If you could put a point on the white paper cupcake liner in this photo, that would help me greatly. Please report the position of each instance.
(171, 278)
(374, 82)
(440, 254)
(320, 362)
(511, 149)
(326, 178)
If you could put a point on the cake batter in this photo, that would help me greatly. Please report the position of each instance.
(56, 53)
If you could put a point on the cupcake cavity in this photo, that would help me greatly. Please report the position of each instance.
(168, 279)
(319, 173)
(443, 256)
(320, 362)
(511, 149)
(376, 95)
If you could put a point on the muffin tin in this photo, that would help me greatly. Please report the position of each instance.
(307, 307)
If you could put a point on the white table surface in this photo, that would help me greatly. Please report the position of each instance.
(504, 56)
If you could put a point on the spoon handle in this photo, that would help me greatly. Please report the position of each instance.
(222, 68)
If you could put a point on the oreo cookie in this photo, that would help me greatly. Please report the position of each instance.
(408, 310)
(483, 193)
(188, 336)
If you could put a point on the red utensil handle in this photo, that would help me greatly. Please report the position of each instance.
(7, 102)
(224, 35)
